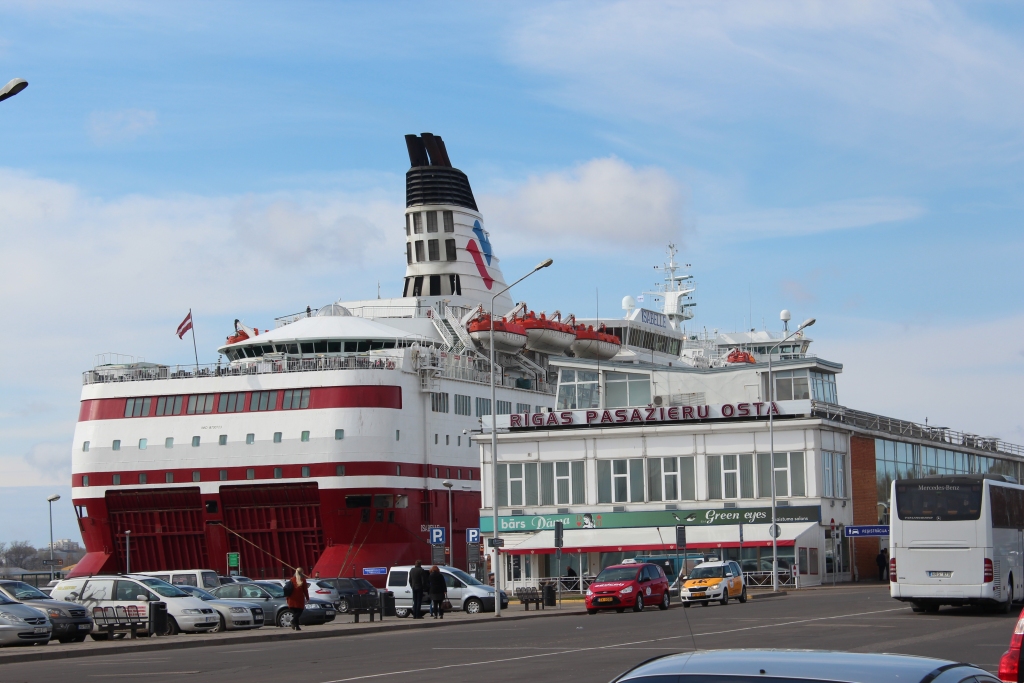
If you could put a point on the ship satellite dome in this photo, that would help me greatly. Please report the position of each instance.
(785, 316)
(628, 303)
(333, 310)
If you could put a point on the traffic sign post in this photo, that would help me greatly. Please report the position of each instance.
(233, 562)
(438, 535)
(56, 562)
(495, 542)
(473, 536)
(870, 530)
(680, 543)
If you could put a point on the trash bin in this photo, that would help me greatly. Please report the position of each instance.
(158, 618)
(387, 602)
(550, 598)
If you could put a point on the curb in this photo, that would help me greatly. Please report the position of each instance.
(47, 653)
(766, 594)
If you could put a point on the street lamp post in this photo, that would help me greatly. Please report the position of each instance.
(51, 500)
(128, 552)
(13, 87)
(494, 444)
(451, 548)
(771, 452)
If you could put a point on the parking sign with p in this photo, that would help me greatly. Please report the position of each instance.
(472, 535)
(437, 535)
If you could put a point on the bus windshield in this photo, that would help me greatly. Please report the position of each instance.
(938, 501)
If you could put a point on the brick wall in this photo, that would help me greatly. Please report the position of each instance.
(865, 500)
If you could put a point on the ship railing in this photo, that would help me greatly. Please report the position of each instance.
(255, 366)
(422, 310)
(906, 428)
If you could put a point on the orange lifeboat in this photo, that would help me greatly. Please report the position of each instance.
(545, 335)
(595, 344)
(737, 356)
(509, 336)
(241, 333)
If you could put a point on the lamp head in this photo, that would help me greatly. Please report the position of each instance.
(54, 498)
(806, 323)
(544, 264)
(13, 87)
(447, 484)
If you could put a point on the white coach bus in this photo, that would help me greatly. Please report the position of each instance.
(957, 540)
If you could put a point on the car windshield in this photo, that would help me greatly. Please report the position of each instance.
(363, 584)
(272, 588)
(937, 501)
(707, 572)
(463, 576)
(198, 593)
(23, 591)
(617, 574)
(4, 600)
(163, 588)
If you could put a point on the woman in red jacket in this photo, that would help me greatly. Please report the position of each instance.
(299, 596)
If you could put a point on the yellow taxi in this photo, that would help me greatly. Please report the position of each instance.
(709, 581)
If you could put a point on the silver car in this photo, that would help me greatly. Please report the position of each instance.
(741, 666)
(21, 624)
(69, 623)
(234, 615)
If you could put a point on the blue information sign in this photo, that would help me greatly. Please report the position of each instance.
(375, 571)
(873, 530)
(437, 535)
(472, 535)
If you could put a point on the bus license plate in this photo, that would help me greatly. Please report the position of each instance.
(604, 599)
(941, 575)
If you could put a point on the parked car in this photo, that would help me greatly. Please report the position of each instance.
(1010, 661)
(184, 613)
(709, 581)
(21, 624)
(202, 578)
(69, 623)
(741, 666)
(234, 579)
(325, 589)
(634, 585)
(233, 615)
(312, 604)
(275, 605)
(465, 592)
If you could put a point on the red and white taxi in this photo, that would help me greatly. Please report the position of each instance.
(628, 585)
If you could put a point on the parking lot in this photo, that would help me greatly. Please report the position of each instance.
(545, 647)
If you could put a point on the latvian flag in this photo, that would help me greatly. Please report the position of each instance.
(185, 325)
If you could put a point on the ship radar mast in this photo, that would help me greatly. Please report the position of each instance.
(676, 291)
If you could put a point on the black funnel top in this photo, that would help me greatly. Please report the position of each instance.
(432, 179)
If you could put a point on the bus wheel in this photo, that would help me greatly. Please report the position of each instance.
(917, 607)
(1008, 605)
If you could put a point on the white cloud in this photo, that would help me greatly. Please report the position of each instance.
(46, 463)
(109, 127)
(598, 205)
(793, 222)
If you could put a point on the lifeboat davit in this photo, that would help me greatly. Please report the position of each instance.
(509, 336)
(595, 344)
(737, 356)
(545, 335)
(241, 333)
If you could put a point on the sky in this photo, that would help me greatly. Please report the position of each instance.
(858, 162)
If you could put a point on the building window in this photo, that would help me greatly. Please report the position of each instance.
(517, 484)
(116, 445)
(250, 473)
(305, 471)
(671, 479)
(305, 436)
(222, 439)
(439, 402)
(143, 443)
(137, 407)
(483, 407)
(447, 440)
(431, 221)
(408, 224)
(195, 475)
(417, 286)
(339, 434)
(117, 480)
(168, 405)
(504, 407)
(195, 441)
(169, 477)
(435, 473)
(263, 400)
(730, 476)
(277, 437)
(620, 481)
(823, 387)
(562, 483)
(435, 439)
(417, 222)
(450, 252)
(398, 435)
(223, 475)
(85, 446)
(833, 474)
(169, 442)
(277, 473)
(250, 439)
(231, 403)
(408, 259)
(626, 389)
(791, 385)
(295, 399)
(85, 480)
(463, 405)
(433, 250)
(200, 404)
(143, 478)
(522, 407)
(577, 390)
(398, 470)
(789, 475)
(419, 258)
(339, 471)
(449, 221)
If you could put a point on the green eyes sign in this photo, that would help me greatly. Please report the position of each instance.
(666, 518)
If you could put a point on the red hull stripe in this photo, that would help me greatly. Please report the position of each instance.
(666, 547)
(290, 471)
(349, 396)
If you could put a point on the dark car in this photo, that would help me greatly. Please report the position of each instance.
(275, 604)
(353, 594)
(628, 585)
(233, 579)
(71, 623)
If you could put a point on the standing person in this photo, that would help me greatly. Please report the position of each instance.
(882, 564)
(299, 596)
(438, 592)
(418, 584)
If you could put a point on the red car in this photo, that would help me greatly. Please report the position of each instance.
(1009, 663)
(628, 585)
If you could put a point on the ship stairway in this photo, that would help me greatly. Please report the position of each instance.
(528, 365)
(459, 330)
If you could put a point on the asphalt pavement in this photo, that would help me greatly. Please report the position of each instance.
(577, 647)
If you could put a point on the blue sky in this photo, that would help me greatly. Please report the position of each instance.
(858, 162)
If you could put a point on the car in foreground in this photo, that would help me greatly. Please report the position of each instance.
(70, 623)
(632, 586)
(234, 616)
(21, 624)
(1009, 664)
(713, 581)
(275, 605)
(743, 666)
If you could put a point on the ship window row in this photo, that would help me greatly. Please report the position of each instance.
(315, 347)
(201, 404)
(119, 479)
(796, 385)
(433, 284)
(414, 221)
(222, 440)
(433, 251)
(646, 339)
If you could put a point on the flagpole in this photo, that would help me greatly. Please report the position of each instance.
(194, 339)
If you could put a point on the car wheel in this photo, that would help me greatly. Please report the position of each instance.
(591, 611)
(620, 610)
(725, 597)
(80, 638)
(1008, 605)
(402, 613)
(686, 605)
(343, 606)
(704, 603)
(932, 609)
(220, 627)
(638, 606)
(98, 636)
(473, 607)
(743, 595)
(65, 639)
(664, 601)
(172, 627)
(285, 618)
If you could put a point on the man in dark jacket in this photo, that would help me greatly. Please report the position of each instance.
(883, 565)
(418, 584)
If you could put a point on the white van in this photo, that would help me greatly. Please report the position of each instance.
(465, 592)
(206, 579)
(184, 612)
